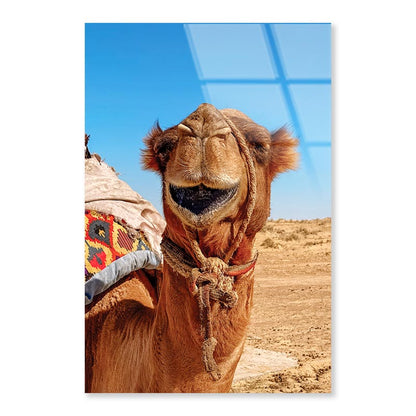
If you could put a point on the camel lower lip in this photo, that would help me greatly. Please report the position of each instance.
(200, 199)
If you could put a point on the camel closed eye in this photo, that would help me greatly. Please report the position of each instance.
(261, 152)
(164, 147)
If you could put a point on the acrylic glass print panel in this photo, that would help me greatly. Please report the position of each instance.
(208, 231)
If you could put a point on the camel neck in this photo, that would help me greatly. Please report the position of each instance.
(179, 337)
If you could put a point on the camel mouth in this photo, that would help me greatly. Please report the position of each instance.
(200, 199)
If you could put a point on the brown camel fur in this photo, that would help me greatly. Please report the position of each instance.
(142, 339)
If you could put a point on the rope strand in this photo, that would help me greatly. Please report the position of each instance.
(252, 189)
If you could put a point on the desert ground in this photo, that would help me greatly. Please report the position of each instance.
(291, 312)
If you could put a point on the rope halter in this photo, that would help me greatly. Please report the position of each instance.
(212, 278)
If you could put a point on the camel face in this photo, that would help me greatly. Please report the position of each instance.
(204, 173)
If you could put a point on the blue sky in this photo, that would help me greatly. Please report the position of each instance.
(278, 74)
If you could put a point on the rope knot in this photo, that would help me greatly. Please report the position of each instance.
(214, 265)
(213, 273)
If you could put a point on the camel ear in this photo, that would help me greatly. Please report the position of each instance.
(149, 154)
(283, 152)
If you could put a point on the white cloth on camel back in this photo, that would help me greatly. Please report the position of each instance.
(106, 193)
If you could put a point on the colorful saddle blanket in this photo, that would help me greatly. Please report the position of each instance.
(106, 240)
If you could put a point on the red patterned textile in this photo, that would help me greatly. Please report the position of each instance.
(106, 240)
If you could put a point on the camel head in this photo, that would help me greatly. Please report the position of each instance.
(204, 172)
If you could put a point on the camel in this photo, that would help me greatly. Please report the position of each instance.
(186, 332)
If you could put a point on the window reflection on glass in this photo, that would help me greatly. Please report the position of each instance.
(278, 74)
(230, 51)
(264, 103)
(313, 105)
(305, 49)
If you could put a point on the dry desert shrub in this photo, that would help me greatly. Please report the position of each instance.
(267, 228)
(303, 230)
(269, 243)
(307, 231)
(290, 237)
(325, 221)
(316, 242)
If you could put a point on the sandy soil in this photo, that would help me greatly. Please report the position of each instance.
(292, 306)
